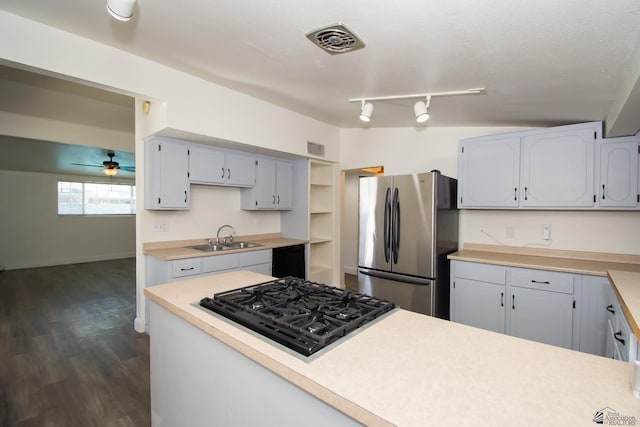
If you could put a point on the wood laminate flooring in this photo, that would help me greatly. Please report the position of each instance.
(69, 355)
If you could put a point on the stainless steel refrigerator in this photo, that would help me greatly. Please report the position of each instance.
(408, 224)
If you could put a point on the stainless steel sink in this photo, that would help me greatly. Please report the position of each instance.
(211, 248)
(243, 245)
(225, 246)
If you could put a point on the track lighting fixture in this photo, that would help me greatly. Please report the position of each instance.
(122, 10)
(366, 111)
(420, 108)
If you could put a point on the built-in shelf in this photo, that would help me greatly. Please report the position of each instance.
(322, 228)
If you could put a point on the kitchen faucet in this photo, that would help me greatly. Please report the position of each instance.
(233, 231)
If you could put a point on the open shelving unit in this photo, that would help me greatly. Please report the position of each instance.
(322, 223)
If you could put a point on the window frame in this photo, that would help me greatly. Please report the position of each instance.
(70, 211)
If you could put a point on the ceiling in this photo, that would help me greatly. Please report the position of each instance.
(542, 63)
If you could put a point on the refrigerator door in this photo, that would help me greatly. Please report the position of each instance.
(413, 225)
(412, 294)
(374, 250)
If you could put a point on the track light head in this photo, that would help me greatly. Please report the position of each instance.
(122, 10)
(366, 112)
(420, 110)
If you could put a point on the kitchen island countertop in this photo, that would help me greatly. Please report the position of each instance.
(407, 369)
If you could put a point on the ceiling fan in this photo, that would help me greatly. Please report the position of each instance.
(110, 167)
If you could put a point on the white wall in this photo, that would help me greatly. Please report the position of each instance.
(34, 235)
(409, 150)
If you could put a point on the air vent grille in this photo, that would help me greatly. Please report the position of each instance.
(335, 39)
(315, 148)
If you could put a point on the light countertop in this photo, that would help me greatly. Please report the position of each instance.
(173, 250)
(623, 270)
(407, 369)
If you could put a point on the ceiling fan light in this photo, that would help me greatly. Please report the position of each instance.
(366, 112)
(122, 10)
(110, 171)
(420, 110)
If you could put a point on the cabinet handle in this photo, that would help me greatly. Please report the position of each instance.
(513, 302)
(603, 192)
(542, 283)
(525, 193)
(610, 309)
(185, 196)
(274, 199)
(278, 199)
(617, 336)
(515, 193)
(501, 299)
(228, 173)
(186, 269)
(222, 173)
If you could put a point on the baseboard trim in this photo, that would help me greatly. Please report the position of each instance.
(65, 261)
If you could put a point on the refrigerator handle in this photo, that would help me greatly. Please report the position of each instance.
(396, 226)
(387, 225)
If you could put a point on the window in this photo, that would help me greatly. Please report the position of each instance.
(91, 198)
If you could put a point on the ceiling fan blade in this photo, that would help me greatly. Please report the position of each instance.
(128, 168)
(83, 164)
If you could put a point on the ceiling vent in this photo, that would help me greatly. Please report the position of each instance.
(335, 39)
(315, 148)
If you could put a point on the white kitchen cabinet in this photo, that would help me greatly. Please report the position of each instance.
(166, 175)
(542, 306)
(619, 180)
(621, 343)
(478, 295)
(596, 299)
(558, 167)
(273, 189)
(489, 172)
(211, 166)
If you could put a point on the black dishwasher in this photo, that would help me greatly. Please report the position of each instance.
(288, 261)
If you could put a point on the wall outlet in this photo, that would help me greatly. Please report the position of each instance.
(160, 227)
(546, 231)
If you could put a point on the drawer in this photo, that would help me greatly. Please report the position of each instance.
(542, 279)
(220, 262)
(185, 267)
(481, 272)
(255, 257)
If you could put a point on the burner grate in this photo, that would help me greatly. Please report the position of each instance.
(302, 315)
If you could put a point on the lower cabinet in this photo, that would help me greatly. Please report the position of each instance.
(531, 304)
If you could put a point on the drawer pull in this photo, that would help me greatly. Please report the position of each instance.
(617, 336)
(186, 269)
(542, 283)
(610, 309)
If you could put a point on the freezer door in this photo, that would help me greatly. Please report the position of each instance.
(413, 225)
(412, 295)
(374, 248)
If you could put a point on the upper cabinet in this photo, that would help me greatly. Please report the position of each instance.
(166, 175)
(211, 166)
(619, 181)
(566, 167)
(557, 167)
(491, 170)
(273, 189)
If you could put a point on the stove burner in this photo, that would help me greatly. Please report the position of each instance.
(302, 315)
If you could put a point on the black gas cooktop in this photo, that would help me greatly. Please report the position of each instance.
(302, 315)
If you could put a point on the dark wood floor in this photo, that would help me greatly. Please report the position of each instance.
(68, 353)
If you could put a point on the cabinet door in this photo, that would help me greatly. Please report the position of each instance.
(166, 175)
(557, 169)
(241, 170)
(206, 165)
(479, 304)
(619, 177)
(284, 185)
(489, 172)
(265, 188)
(541, 316)
(596, 294)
